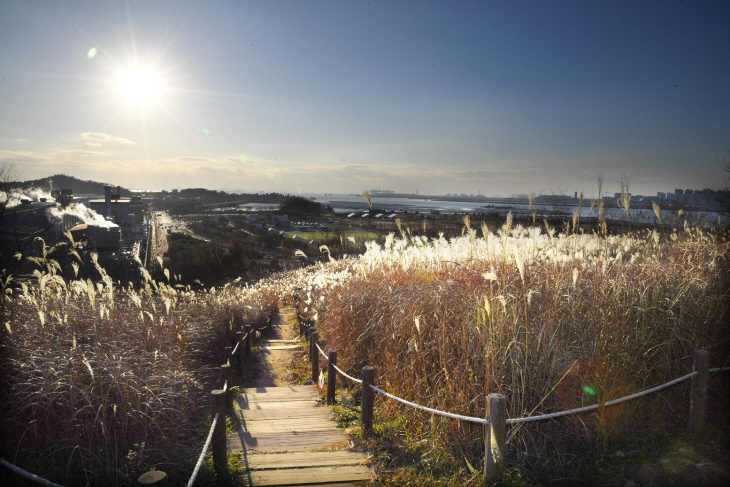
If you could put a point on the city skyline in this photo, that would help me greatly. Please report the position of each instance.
(322, 96)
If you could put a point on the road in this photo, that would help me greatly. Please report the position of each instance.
(158, 237)
(162, 225)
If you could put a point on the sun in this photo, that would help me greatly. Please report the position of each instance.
(140, 86)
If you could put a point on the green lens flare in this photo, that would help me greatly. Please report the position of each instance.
(589, 390)
(92, 52)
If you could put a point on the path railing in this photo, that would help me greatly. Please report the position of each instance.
(221, 402)
(233, 358)
(496, 421)
(221, 399)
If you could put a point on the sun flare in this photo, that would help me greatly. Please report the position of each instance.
(141, 86)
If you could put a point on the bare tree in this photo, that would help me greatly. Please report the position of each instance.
(625, 201)
(9, 241)
(8, 179)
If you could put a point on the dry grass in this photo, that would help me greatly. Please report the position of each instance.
(552, 321)
(100, 384)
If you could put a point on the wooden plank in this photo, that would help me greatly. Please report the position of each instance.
(307, 416)
(353, 483)
(251, 402)
(285, 341)
(287, 438)
(255, 429)
(268, 461)
(277, 413)
(280, 394)
(309, 476)
(281, 347)
(268, 397)
(243, 400)
(284, 443)
(244, 403)
(303, 408)
(293, 425)
(278, 390)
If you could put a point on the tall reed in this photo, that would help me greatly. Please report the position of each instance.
(103, 383)
(553, 321)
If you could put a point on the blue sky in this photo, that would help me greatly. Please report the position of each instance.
(331, 96)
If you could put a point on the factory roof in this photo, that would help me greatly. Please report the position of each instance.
(119, 201)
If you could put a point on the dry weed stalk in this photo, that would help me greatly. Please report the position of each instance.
(102, 383)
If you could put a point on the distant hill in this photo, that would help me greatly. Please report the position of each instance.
(78, 186)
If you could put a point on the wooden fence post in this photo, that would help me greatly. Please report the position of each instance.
(239, 352)
(698, 398)
(494, 443)
(249, 332)
(314, 356)
(227, 375)
(226, 354)
(331, 376)
(309, 343)
(253, 334)
(220, 453)
(367, 400)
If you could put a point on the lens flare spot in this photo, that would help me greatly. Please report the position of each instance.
(206, 131)
(589, 390)
(92, 52)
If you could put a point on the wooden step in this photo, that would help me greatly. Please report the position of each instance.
(344, 475)
(271, 461)
(287, 437)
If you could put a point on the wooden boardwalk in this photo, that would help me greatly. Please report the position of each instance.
(287, 438)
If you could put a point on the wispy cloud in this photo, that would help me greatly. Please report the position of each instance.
(97, 138)
(23, 157)
(193, 159)
(77, 154)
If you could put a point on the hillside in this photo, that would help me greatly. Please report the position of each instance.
(78, 186)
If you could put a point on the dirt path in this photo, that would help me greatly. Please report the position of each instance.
(275, 357)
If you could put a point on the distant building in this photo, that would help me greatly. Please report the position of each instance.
(261, 219)
(127, 213)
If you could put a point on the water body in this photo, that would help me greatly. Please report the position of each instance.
(259, 206)
(348, 203)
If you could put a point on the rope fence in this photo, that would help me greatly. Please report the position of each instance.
(194, 476)
(497, 420)
(220, 399)
(607, 403)
(345, 375)
(430, 410)
(526, 419)
(27, 475)
(216, 435)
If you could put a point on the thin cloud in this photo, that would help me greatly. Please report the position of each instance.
(78, 153)
(98, 138)
(23, 157)
(192, 159)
